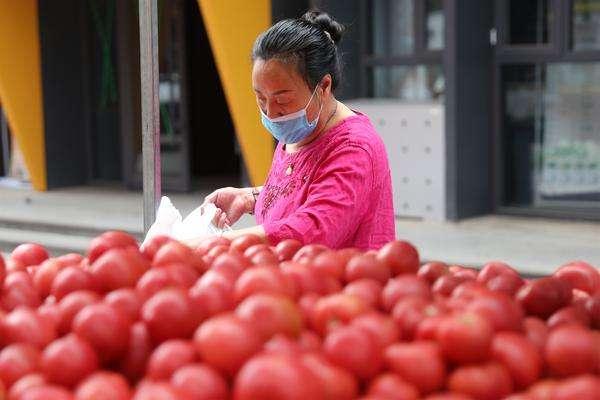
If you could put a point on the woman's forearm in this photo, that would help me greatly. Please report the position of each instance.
(255, 230)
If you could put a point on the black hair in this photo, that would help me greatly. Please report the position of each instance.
(309, 42)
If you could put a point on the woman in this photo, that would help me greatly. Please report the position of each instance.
(329, 181)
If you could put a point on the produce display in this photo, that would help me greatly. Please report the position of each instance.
(243, 320)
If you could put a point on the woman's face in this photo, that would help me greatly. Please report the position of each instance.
(280, 90)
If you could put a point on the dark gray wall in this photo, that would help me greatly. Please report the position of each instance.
(468, 71)
(62, 77)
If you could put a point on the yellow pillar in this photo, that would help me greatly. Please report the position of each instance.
(232, 27)
(21, 85)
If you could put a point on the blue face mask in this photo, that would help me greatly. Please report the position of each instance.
(291, 128)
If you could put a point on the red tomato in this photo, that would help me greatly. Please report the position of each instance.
(46, 392)
(226, 342)
(354, 349)
(451, 396)
(173, 252)
(494, 269)
(402, 287)
(133, 364)
(485, 381)
(207, 244)
(105, 328)
(276, 377)
(24, 325)
(592, 306)
(427, 328)
(263, 279)
(338, 383)
(520, 356)
(369, 290)
(240, 244)
(16, 361)
(309, 341)
(255, 249)
(28, 254)
(265, 257)
(18, 291)
(329, 263)
(153, 281)
(445, 284)
(503, 312)
(71, 279)
(541, 297)
(150, 248)
(70, 259)
(569, 315)
(71, 304)
(148, 390)
(571, 350)
(25, 383)
(306, 280)
(200, 382)
(230, 264)
(409, 312)
(364, 266)
(216, 251)
(402, 257)
(2, 270)
(543, 390)
(420, 363)
(467, 274)
(182, 275)
(584, 387)
(431, 271)
(308, 253)
(170, 314)
(68, 360)
(579, 275)
(391, 386)
(536, 331)
(382, 327)
(44, 275)
(109, 240)
(127, 301)
(286, 249)
(118, 268)
(282, 344)
(103, 385)
(211, 299)
(506, 283)
(271, 314)
(465, 338)
(169, 357)
(336, 309)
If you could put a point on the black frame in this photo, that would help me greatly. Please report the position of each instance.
(420, 55)
(559, 50)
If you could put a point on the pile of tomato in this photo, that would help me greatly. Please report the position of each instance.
(244, 320)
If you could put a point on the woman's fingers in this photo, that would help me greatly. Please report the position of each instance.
(222, 220)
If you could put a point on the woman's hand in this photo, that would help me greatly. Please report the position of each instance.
(231, 203)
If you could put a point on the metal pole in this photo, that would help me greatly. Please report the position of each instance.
(150, 109)
(5, 143)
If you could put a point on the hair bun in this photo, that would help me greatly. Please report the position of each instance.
(326, 23)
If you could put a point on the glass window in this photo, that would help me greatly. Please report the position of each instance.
(392, 27)
(434, 19)
(409, 82)
(586, 25)
(530, 21)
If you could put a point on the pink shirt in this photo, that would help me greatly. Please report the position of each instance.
(335, 191)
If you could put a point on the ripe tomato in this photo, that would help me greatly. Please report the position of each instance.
(44, 276)
(105, 328)
(127, 301)
(465, 338)
(485, 381)
(173, 252)
(519, 355)
(70, 305)
(18, 291)
(419, 363)
(392, 386)
(571, 350)
(401, 256)
(338, 383)
(68, 360)
(506, 283)
(584, 387)
(569, 315)
(381, 326)
(542, 297)
(402, 287)
(271, 314)
(365, 266)
(149, 390)
(307, 253)
(170, 314)
(109, 240)
(502, 311)
(29, 254)
(226, 342)
(445, 284)
(409, 312)
(579, 275)
(71, 279)
(240, 244)
(536, 331)
(229, 264)
(118, 268)
(103, 385)
(168, 357)
(46, 392)
(133, 363)
(592, 306)
(200, 382)
(16, 361)
(307, 280)
(336, 309)
(150, 248)
(286, 249)
(274, 376)
(263, 279)
(329, 263)
(493, 269)
(2, 270)
(25, 383)
(431, 271)
(354, 349)
(369, 290)
(211, 299)
(24, 325)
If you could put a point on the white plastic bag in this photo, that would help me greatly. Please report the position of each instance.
(170, 223)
